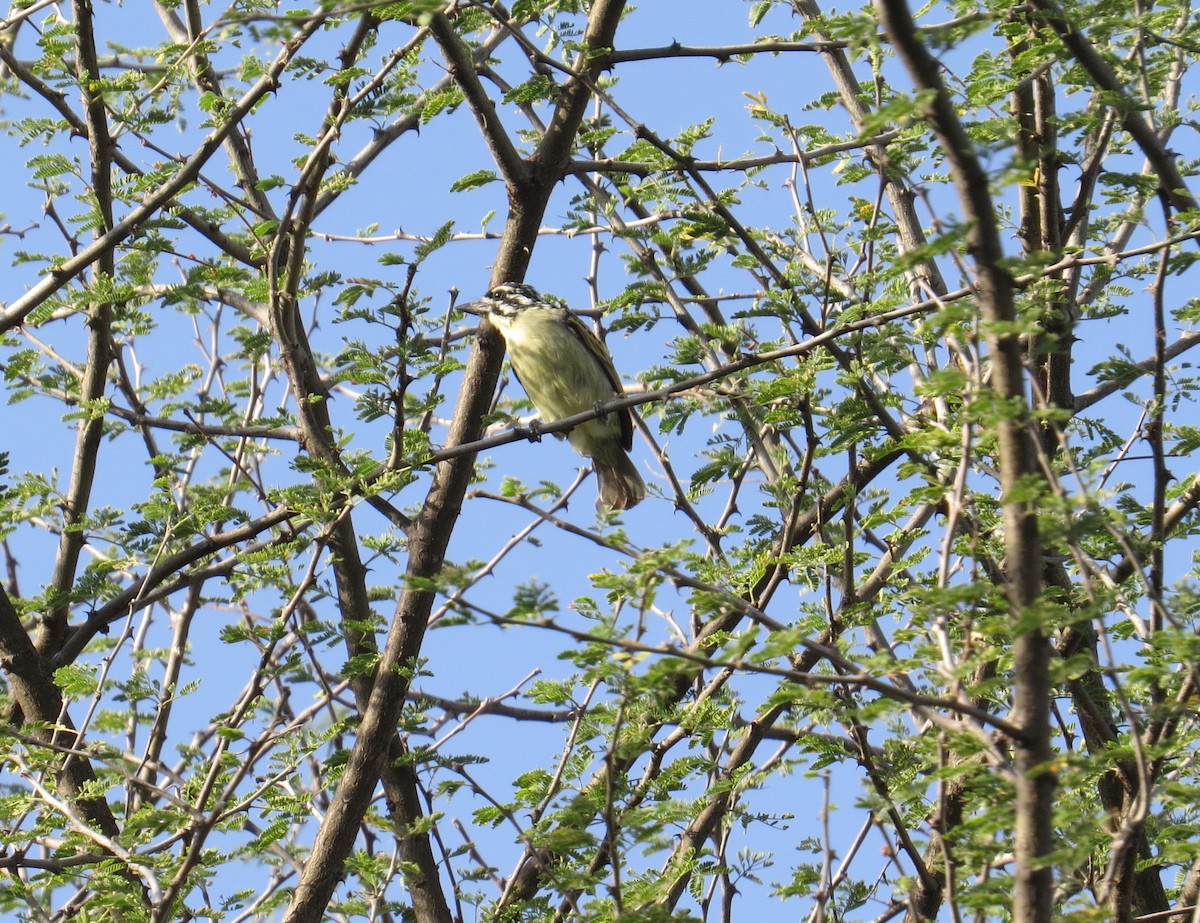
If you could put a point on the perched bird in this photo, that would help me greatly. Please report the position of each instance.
(566, 370)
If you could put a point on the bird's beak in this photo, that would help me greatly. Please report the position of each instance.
(472, 307)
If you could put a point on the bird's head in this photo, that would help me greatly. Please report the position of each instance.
(506, 300)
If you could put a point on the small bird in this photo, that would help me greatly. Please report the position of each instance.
(566, 370)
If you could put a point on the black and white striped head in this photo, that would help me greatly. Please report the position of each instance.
(508, 299)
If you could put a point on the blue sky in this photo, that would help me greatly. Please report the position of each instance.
(409, 190)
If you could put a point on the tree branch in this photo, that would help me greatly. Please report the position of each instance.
(159, 198)
(431, 530)
(1166, 167)
(1034, 885)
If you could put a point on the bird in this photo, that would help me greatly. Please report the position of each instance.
(565, 370)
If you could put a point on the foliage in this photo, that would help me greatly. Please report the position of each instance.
(301, 620)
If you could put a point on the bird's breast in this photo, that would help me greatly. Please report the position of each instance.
(555, 366)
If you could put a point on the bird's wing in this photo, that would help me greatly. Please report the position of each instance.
(590, 340)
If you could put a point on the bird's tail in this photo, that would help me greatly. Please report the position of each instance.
(620, 485)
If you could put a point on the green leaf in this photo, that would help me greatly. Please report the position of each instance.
(473, 180)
